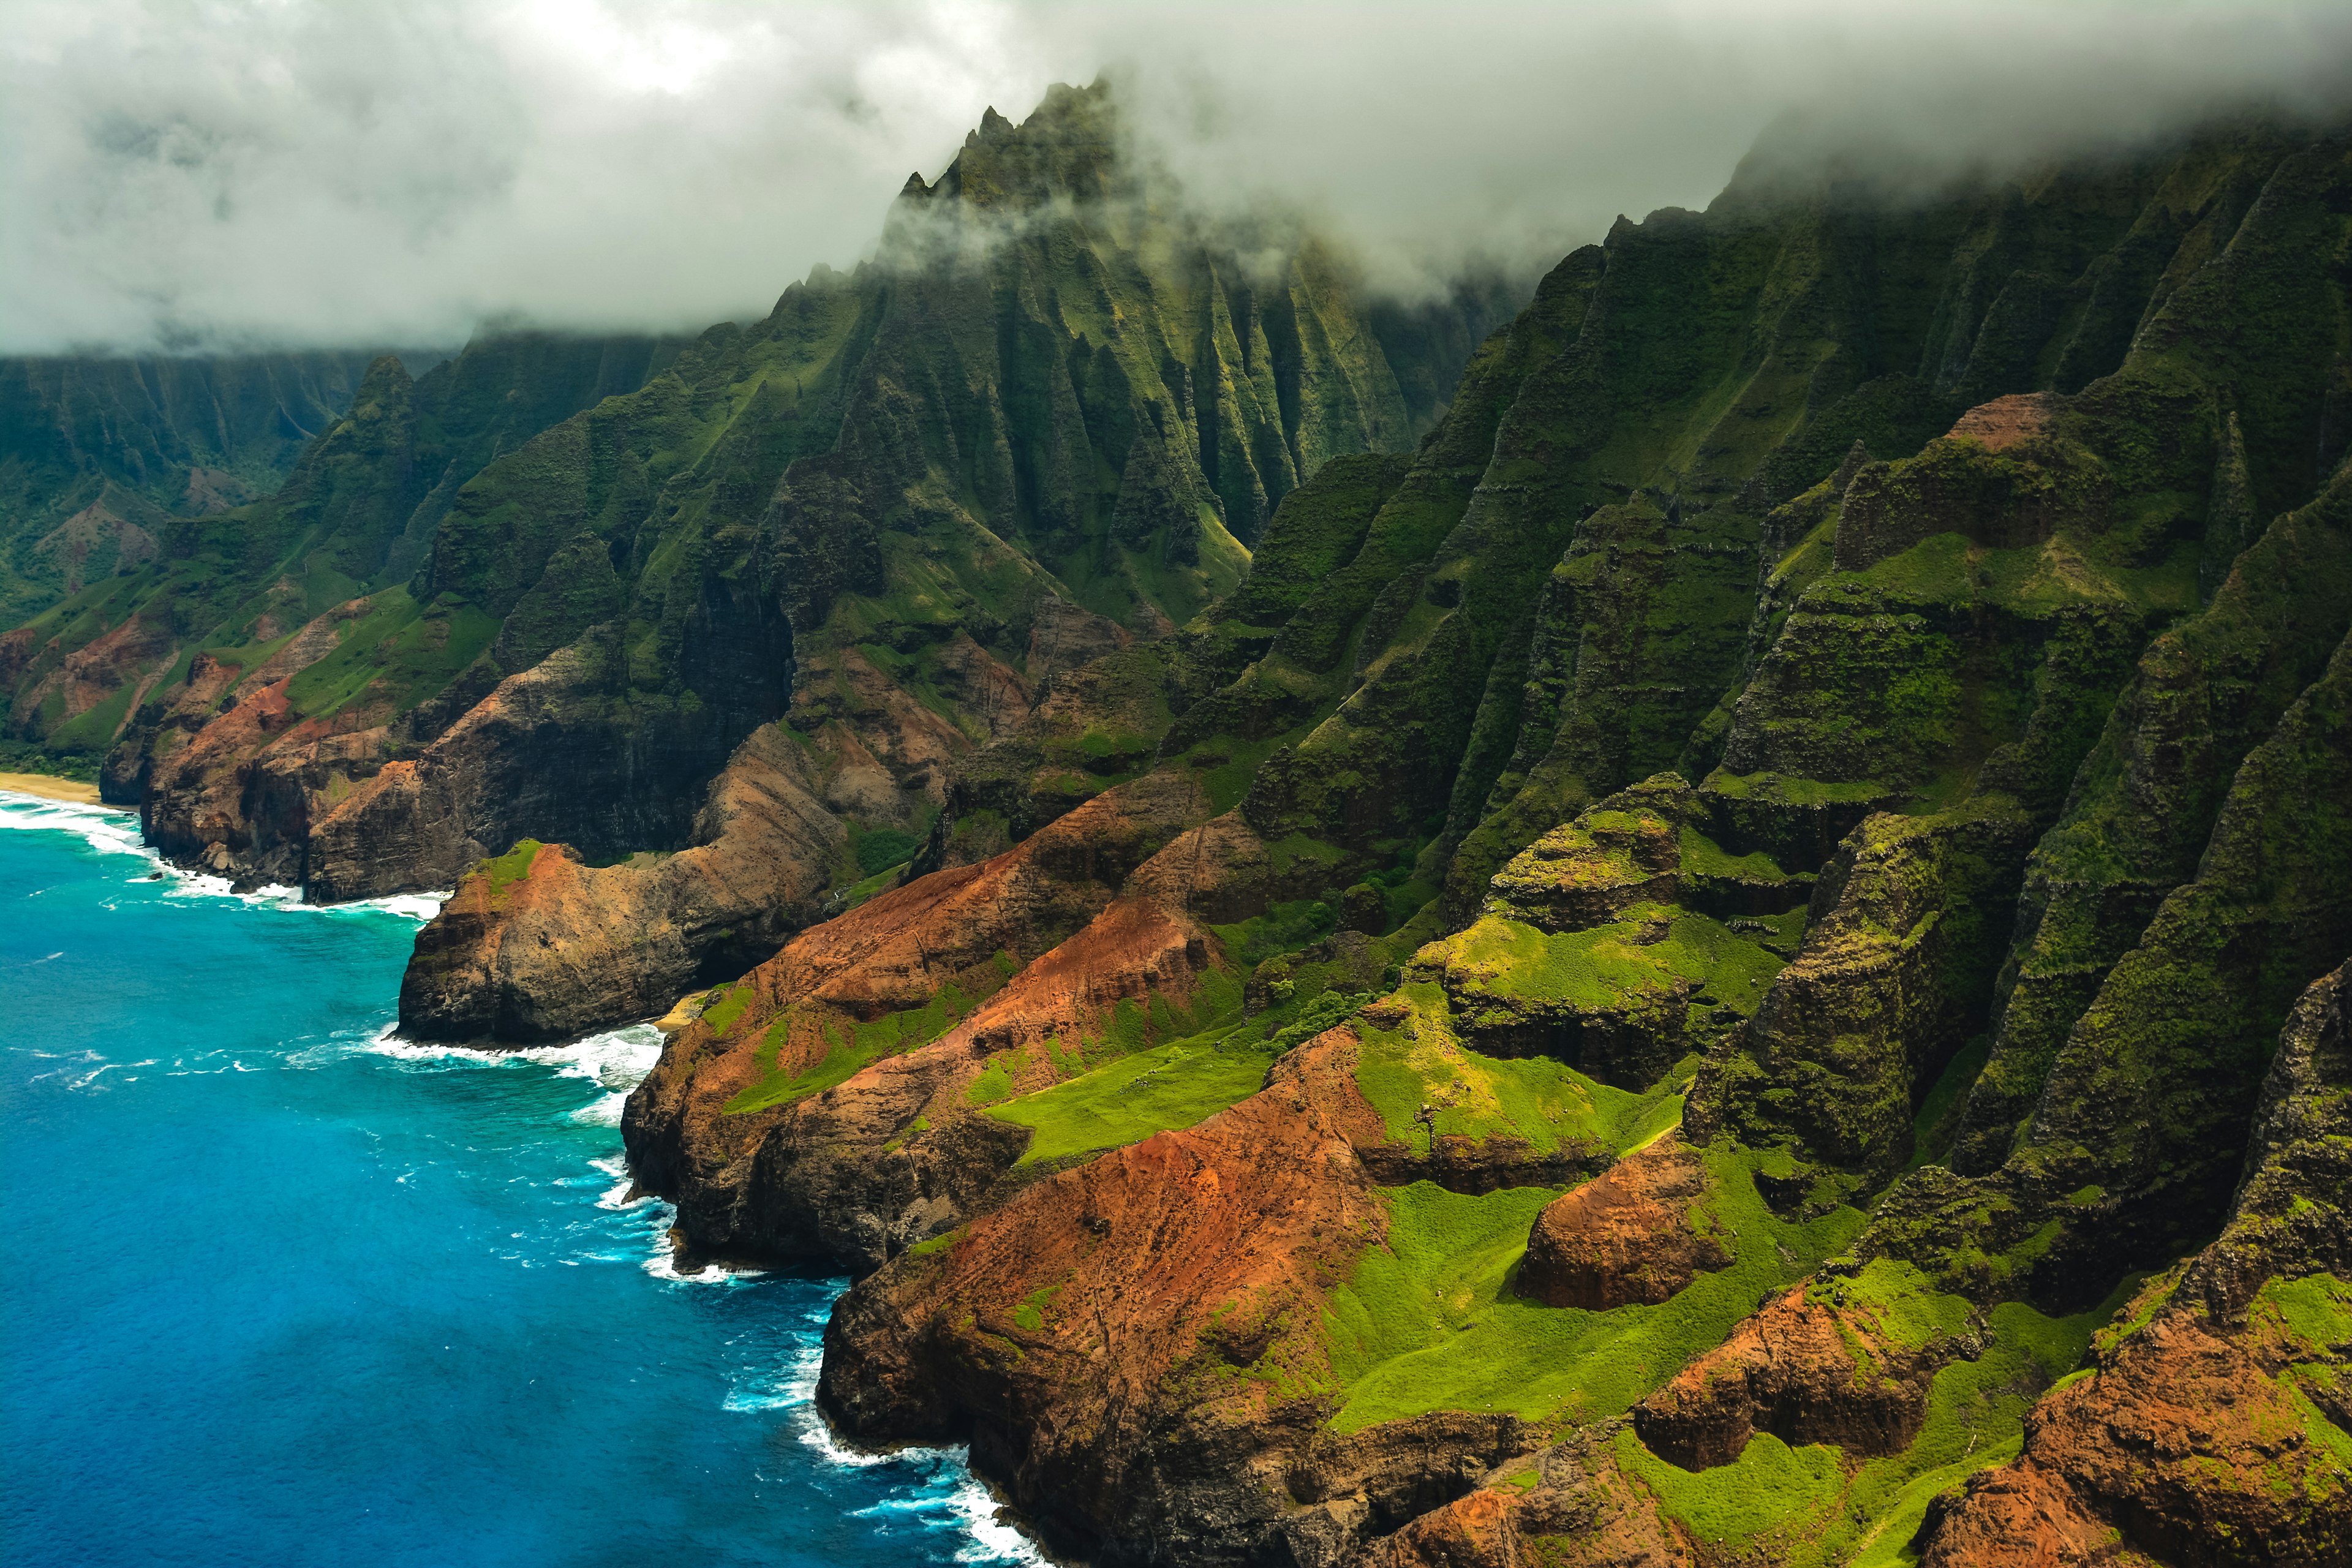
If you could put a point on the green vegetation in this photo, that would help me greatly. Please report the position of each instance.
(1152, 1090)
(866, 888)
(1428, 1320)
(1773, 1492)
(725, 1005)
(997, 1080)
(1939, 1112)
(1284, 927)
(880, 850)
(849, 1047)
(396, 655)
(1702, 856)
(1813, 1506)
(1610, 968)
(19, 757)
(2316, 1308)
(1417, 1060)
(505, 870)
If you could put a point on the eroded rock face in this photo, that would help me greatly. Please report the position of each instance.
(1842, 1045)
(2197, 1444)
(1569, 1506)
(1804, 1368)
(2211, 1425)
(1629, 1235)
(563, 752)
(804, 1176)
(569, 948)
(1086, 1337)
(900, 1154)
(1589, 871)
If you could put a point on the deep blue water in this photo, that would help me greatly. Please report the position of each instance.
(286, 1292)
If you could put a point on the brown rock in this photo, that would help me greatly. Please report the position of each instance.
(2188, 1438)
(570, 948)
(1084, 1337)
(1807, 1372)
(843, 1175)
(2215, 1431)
(2006, 421)
(1579, 1512)
(1062, 637)
(1217, 873)
(1625, 1237)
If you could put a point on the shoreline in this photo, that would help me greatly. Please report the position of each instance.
(49, 788)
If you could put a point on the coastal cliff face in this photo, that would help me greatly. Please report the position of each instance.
(536, 945)
(1769, 952)
(1737, 959)
(1048, 419)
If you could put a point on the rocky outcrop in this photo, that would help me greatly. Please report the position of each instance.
(569, 750)
(938, 975)
(1908, 916)
(1811, 1367)
(1632, 1234)
(1568, 1507)
(2005, 421)
(1129, 1346)
(1589, 871)
(1585, 952)
(558, 948)
(2212, 1425)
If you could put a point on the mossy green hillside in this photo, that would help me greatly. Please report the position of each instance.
(1502, 973)
(2203, 695)
(1428, 1321)
(1471, 674)
(1817, 1505)
(890, 474)
(1415, 1058)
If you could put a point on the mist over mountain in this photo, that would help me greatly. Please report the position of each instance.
(1410, 874)
(250, 176)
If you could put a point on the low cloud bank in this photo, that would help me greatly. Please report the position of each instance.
(222, 173)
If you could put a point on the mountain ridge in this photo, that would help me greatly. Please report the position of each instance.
(1735, 958)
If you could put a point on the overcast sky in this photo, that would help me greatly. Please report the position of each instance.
(250, 173)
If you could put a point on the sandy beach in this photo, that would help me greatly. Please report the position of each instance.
(49, 788)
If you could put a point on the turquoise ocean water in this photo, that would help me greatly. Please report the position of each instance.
(290, 1291)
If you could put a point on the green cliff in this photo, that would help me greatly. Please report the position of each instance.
(1864, 679)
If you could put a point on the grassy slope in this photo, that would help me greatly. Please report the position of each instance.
(1429, 1320)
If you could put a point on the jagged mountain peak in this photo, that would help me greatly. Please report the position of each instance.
(1069, 148)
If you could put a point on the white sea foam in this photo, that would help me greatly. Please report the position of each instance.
(618, 1059)
(663, 1264)
(417, 907)
(792, 1386)
(993, 1540)
(604, 1111)
(618, 1197)
(966, 1500)
(106, 829)
(112, 830)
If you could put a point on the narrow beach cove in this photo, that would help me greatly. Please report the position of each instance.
(302, 1293)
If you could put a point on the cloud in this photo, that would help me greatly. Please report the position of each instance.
(237, 172)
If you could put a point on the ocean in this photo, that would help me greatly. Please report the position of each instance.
(290, 1292)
